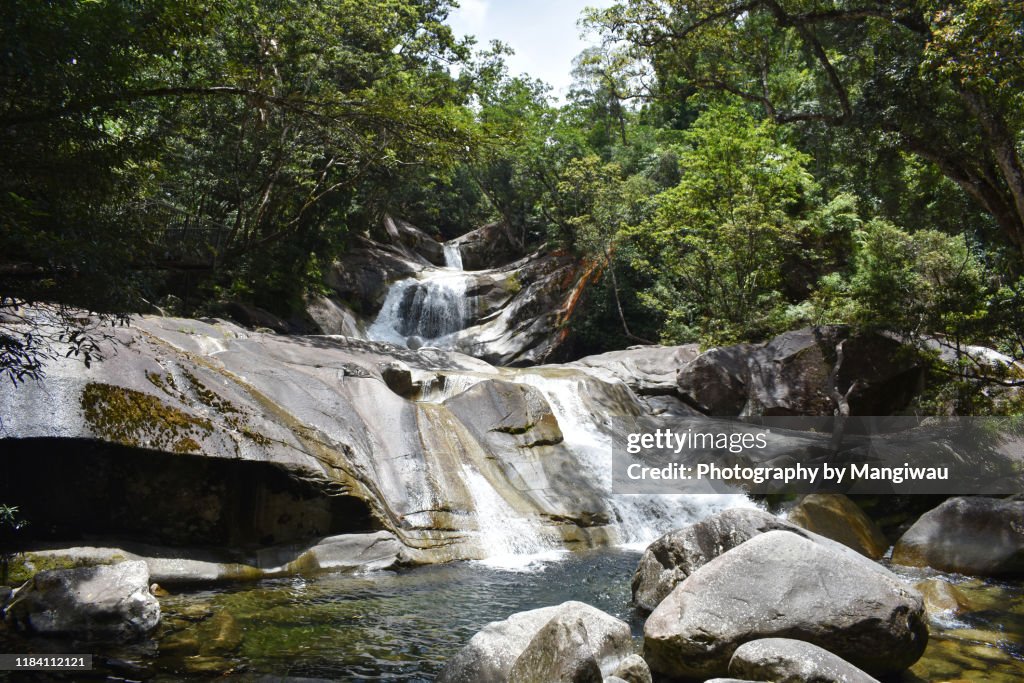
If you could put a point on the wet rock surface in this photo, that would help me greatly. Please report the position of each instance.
(837, 517)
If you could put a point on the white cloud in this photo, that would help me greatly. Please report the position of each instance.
(470, 17)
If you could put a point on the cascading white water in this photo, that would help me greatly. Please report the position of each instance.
(452, 256)
(443, 386)
(430, 307)
(508, 539)
(640, 518)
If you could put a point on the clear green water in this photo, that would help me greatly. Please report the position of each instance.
(403, 626)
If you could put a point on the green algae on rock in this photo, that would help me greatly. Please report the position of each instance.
(133, 418)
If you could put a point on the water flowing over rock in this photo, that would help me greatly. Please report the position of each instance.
(572, 641)
(779, 584)
(100, 603)
(977, 536)
(488, 246)
(409, 290)
(203, 433)
(784, 660)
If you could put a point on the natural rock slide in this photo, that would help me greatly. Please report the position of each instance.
(214, 451)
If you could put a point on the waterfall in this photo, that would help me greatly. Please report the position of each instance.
(640, 518)
(507, 538)
(452, 256)
(429, 308)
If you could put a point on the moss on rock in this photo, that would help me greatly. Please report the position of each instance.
(137, 419)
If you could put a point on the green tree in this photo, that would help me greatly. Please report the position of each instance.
(718, 240)
(937, 79)
(916, 284)
(233, 141)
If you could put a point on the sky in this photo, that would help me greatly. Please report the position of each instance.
(542, 32)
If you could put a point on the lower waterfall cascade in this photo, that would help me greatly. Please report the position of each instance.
(430, 309)
(638, 519)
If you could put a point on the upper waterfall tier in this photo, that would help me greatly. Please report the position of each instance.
(453, 256)
(507, 313)
(427, 309)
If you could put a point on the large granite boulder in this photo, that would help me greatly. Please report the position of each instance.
(647, 370)
(507, 413)
(717, 380)
(837, 517)
(490, 246)
(796, 373)
(976, 536)
(784, 660)
(779, 584)
(111, 602)
(578, 634)
(669, 560)
(406, 234)
(334, 317)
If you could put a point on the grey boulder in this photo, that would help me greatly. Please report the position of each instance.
(673, 557)
(976, 536)
(779, 584)
(111, 602)
(784, 660)
(559, 653)
(578, 631)
(633, 669)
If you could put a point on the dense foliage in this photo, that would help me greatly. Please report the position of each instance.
(733, 168)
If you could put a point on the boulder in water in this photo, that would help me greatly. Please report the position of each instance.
(677, 554)
(779, 584)
(837, 517)
(491, 654)
(110, 602)
(784, 660)
(942, 597)
(976, 536)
